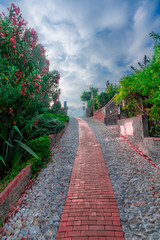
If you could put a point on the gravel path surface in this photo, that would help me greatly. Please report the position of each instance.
(136, 184)
(39, 215)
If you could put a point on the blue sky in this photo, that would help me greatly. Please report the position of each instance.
(91, 41)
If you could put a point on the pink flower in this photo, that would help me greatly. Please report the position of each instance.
(2, 42)
(35, 123)
(13, 5)
(36, 85)
(2, 35)
(14, 46)
(12, 40)
(41, 100)
(14, 122)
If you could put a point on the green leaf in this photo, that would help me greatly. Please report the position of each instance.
(2, 160)
(28, 149)
(17, 129)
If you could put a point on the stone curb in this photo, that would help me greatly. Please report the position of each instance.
(10, 195)
(56, 136)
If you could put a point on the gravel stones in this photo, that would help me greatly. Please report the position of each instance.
(40, 213)
(136, 184)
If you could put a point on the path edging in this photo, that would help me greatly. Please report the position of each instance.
(10, 195)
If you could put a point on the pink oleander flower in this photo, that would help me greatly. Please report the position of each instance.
(14, 46)
(13, 5)
(35, 123)
(2, 41)
(41, 100)
(2, 35)
(14, 122)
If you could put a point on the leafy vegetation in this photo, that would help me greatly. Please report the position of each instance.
(12, 148)
(48, 125)
(101, 99)
(141, 89)
(26, 87)
(86, 96)
(41, 146)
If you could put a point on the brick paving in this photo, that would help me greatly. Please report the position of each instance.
(91, 211)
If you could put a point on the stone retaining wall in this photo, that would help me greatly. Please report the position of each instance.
(54, 138)
(137, 131)
(10, 195)
(100, 115)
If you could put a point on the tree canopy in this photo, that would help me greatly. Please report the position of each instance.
(141, 89)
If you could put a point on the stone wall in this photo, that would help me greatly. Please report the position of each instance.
(137, 131)
(11, 194)
(100, 115)
(54, 138)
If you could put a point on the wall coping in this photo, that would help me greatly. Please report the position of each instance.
(152, 138)
(12, 185)
(129, 119)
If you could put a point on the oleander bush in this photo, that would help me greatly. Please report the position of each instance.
(26, 87)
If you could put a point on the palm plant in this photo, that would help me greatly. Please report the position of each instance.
(12, 147)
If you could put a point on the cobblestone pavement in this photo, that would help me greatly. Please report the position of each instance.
(39, 215)
(91, 211)
(136, 183)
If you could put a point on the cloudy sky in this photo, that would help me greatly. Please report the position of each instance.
(91, 41)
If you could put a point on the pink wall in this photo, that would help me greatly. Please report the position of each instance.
(99, 115)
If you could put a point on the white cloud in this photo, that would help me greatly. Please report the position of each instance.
(91, 41)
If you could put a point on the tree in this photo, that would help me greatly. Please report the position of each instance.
(141, 89)
(86, 96)
(94, 91)
(102, 99)
(25, 80)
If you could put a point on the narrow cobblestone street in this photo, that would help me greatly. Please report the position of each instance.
(130, 183)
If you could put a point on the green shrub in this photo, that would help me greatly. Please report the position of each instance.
(41, 146)
(48, 126)
(59, 116)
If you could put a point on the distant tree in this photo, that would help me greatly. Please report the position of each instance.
(102, 99)
(111, 89)
(86, 96)
(94, 91)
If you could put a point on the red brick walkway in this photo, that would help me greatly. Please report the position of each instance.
(91, 211)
